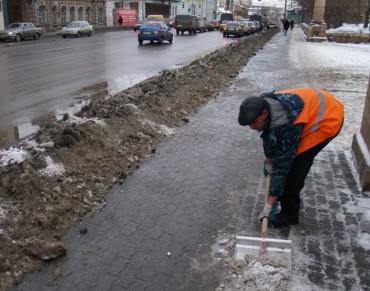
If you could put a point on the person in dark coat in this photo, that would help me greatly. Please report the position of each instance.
(286, 25)
(120, 20)
(291, 24)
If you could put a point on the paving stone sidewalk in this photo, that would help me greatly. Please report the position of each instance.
(206, 180)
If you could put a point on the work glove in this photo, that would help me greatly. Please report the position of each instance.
(265, 212)
(268, 211)
(267, 168)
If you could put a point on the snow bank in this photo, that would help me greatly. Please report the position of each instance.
(349, 28)
(52, 169)
(12, 156)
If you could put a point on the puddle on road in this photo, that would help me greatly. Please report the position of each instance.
(99, 90)
(27, 129)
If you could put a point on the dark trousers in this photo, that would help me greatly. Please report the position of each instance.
(290, 200)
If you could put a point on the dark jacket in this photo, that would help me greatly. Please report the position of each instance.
(281, 136)
(286, 24)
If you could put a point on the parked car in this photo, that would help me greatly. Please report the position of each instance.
(223, 25)
(20, 31)
(213, 25)
(250, 27)
(233, 28)
(76, 29)
(138, 24)
(186, 23)
(202, 26)
(155, 31)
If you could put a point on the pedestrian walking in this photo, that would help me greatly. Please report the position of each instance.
(120, 20)
(291, 24)
(296, 124)
(286, 25)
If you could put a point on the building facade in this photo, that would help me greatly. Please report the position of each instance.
(53, 14)
(2, 21)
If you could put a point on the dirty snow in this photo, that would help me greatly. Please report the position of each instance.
(160, 128)
(253, 273)
(266, 276)
(78, 120)
(12, 156)
(52, 169)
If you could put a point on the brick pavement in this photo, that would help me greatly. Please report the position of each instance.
(204, 181)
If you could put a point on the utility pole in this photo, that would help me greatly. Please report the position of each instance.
(285, 9)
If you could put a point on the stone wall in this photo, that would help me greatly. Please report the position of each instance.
(349, 37)
(361, 145)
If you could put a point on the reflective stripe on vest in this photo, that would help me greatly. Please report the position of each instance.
(322, 116)
(321, 113)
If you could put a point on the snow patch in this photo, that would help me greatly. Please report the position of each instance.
(78, 120)
(363, 239)
(12, 156)
(160, 128)
(52, 169)
(349, 28)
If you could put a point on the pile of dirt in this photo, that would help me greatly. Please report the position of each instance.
(71, 164)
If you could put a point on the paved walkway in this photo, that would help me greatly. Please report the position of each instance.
(208, 180)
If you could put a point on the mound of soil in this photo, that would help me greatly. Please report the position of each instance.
(73, 163)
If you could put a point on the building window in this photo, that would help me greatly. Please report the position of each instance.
(54, 15)
(72, 14)
(100, 15)
(63, 15)
(1, 5)
(88, 14)
(42, 15)
(80, 13)
(183, 5)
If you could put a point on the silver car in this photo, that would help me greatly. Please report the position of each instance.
(20, 31)
(76, 29)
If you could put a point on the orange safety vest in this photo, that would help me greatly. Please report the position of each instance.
(322, 116)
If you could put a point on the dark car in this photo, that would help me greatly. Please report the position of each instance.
(138, 24)
(233, 28)
(187, 23)
(155, 31)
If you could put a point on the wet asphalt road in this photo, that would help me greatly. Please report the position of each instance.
(41, 77)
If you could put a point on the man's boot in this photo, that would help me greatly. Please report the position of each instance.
(285, 219)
